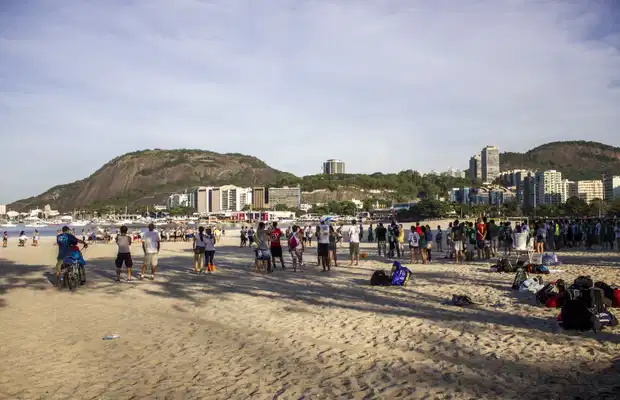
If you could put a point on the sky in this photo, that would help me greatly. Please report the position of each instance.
(384, 85)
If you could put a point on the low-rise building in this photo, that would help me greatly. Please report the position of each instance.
(287, 196)
(2, 209)
(590, 190)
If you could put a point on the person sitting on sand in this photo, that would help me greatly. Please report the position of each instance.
(123, 241)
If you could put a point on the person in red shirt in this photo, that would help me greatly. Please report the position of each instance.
(481, 235)
(418, 229)
(276, 246)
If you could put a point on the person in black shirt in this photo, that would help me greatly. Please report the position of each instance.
(381, 239)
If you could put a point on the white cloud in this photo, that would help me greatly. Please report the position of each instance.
(383, 85)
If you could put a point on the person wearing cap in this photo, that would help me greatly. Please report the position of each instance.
(150, 245)
(66, 242)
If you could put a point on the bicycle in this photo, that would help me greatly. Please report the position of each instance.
(73, 272)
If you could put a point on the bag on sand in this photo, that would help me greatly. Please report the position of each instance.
(380, 278)
(504, 265)
(520, 277)
(400, 274)
(585, 310)
(550, 290)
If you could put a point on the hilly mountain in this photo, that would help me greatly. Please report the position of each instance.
(149, 176)
(577, 160)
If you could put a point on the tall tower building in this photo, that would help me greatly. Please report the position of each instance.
(475, 168)
(490, 163)
(332, 167)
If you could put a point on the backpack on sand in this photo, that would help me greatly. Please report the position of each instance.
(400, 274)
(504, 265)
(380, 278)
(520, 277)
(550, 290)
(585, 310)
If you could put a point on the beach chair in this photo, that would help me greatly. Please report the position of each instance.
(522, 247)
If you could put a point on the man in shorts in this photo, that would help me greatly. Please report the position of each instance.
(150, 245)
(65, 241)
(275, 245)
(123, 241)
(323, 246)
(354, 243)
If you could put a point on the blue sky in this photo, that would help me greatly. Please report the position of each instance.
(383, 85)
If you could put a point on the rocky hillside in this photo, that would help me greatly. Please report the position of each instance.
(148, 177)
(577, 160)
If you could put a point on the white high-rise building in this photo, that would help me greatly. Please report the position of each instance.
(490, 163)
(549, 188)
(611, 185)
(2, 209)
(569, 189)
(590, 190)
(234, 198)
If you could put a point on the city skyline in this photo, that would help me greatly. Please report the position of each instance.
(83, 82)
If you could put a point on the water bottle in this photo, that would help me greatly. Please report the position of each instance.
(110, 337)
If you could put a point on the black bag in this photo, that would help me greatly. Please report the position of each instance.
(380, 278)
(583, 282)
(520, 277)
(504, 265)
(549, 290)
(585, 310)
(608, 291)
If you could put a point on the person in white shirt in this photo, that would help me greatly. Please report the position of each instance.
(323, 248)
(151, 244)
(414, 246)
(354, 243)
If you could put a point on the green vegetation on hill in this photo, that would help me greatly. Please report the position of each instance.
(577, 160)
(406, 185)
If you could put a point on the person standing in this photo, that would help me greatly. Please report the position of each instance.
(458, 235)
(381, 239)
(276, 246)
(199, 250)
(5, 238)
(354, 243)
(323, 244)
(414, 246)
(209, 241)
(371, 236)
(35, 238)
(296, 247)
(151, 246)
(333, 243)
(123, 241)
(439, 239)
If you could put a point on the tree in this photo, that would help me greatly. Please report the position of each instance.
(247, 207)
(575, 206)
(598, 207)
(280, 207)
(614, 207)
(348, 208)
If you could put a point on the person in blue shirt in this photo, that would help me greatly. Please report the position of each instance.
(66, 242)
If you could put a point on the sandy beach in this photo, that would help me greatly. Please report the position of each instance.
(236, 334)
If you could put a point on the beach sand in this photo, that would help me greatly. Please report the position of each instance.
(305, 335)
